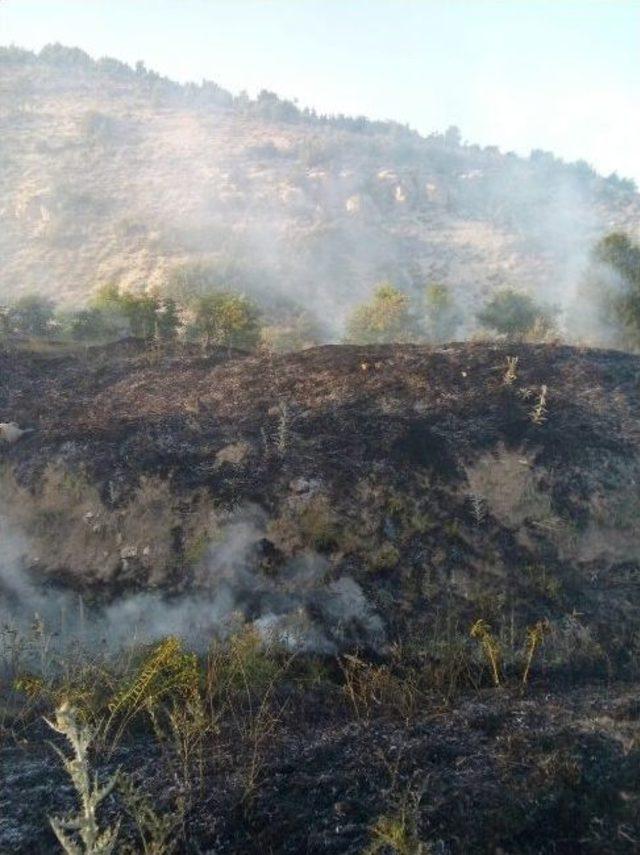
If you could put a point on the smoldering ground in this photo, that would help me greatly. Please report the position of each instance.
(305, 607)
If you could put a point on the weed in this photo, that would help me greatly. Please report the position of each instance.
(282, 434)
(535, 636)
(538, 414)
(511, 373)
(397, 832)
(166, 670)
(478, 508)
(158, 833)
(84, 823)
(490, 647)
(386, 557)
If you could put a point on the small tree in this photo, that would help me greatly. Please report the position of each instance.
(32, 314)
(443, 316)
(168, 320)
(227, 319)
(511, 313)
(88, 325)
(140, 310)
(611, 289)
(387, 318)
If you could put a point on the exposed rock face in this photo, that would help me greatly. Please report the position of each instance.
(428, 480)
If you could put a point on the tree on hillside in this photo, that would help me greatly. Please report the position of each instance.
(32, 314)
(140, 310)
(443, 317)
(125, 312)
(226, 319)
(87, 325)
(167, 320)
(514, 314)
(611, 291)
(386, 318)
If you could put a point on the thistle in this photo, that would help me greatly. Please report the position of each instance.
(482, 631)
(92, 841)
(535, 636)
(511, 373)
(538, 414)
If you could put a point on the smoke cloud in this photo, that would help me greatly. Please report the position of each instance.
(303, 608)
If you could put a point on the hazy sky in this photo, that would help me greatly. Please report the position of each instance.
(562, 75)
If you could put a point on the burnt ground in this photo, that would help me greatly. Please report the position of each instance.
(419, 473)
(552, 772)
(446, 489)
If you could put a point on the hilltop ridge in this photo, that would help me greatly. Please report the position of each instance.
(113, 174)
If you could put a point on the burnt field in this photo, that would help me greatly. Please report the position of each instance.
(409, 578)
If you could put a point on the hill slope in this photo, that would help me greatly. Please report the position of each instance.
(367, 500)
(393, 482)
(111, 174)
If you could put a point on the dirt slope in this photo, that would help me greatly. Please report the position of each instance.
(436, 479)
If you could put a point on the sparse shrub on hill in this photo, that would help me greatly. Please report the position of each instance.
(87, 325)
(611, 288)
(386, 318)
(32, 314)
(144, 316)
(168, 321)
(226, 319)
(298, 333)
(97, 127)
(443, 316)
(515, 314)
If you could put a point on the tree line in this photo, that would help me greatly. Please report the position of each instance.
(605, 312)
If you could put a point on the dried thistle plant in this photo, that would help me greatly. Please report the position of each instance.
(490, 647)
(92, 841)
(511, 373)
(478, 508)
(283, 427)
(535, 636)
(538, 414)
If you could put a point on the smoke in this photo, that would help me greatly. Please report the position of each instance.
(302, 608)
(291, 208)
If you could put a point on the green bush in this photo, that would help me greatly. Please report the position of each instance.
(227, 319)
(387, 318)
(513, 313)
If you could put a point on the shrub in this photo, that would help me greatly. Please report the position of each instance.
(513, 313)
(387, 318)
(442, 315)
(32, 314)
(227, 319)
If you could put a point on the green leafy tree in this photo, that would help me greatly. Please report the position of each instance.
(386, 318)
(512, 313)
(612, 288)
(226, 319)
(32, 314)
(442, 314)
(136, 314)
(140, 310)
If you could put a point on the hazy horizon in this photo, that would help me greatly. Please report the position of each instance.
(557, 76)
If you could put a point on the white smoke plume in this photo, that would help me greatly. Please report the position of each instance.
(302, 608)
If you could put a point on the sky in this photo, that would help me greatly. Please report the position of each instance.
(561, 75)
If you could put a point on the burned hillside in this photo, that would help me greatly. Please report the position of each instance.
(480, 480)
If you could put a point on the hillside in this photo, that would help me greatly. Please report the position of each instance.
(360, 508)
(113, 174)
(393, 474)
